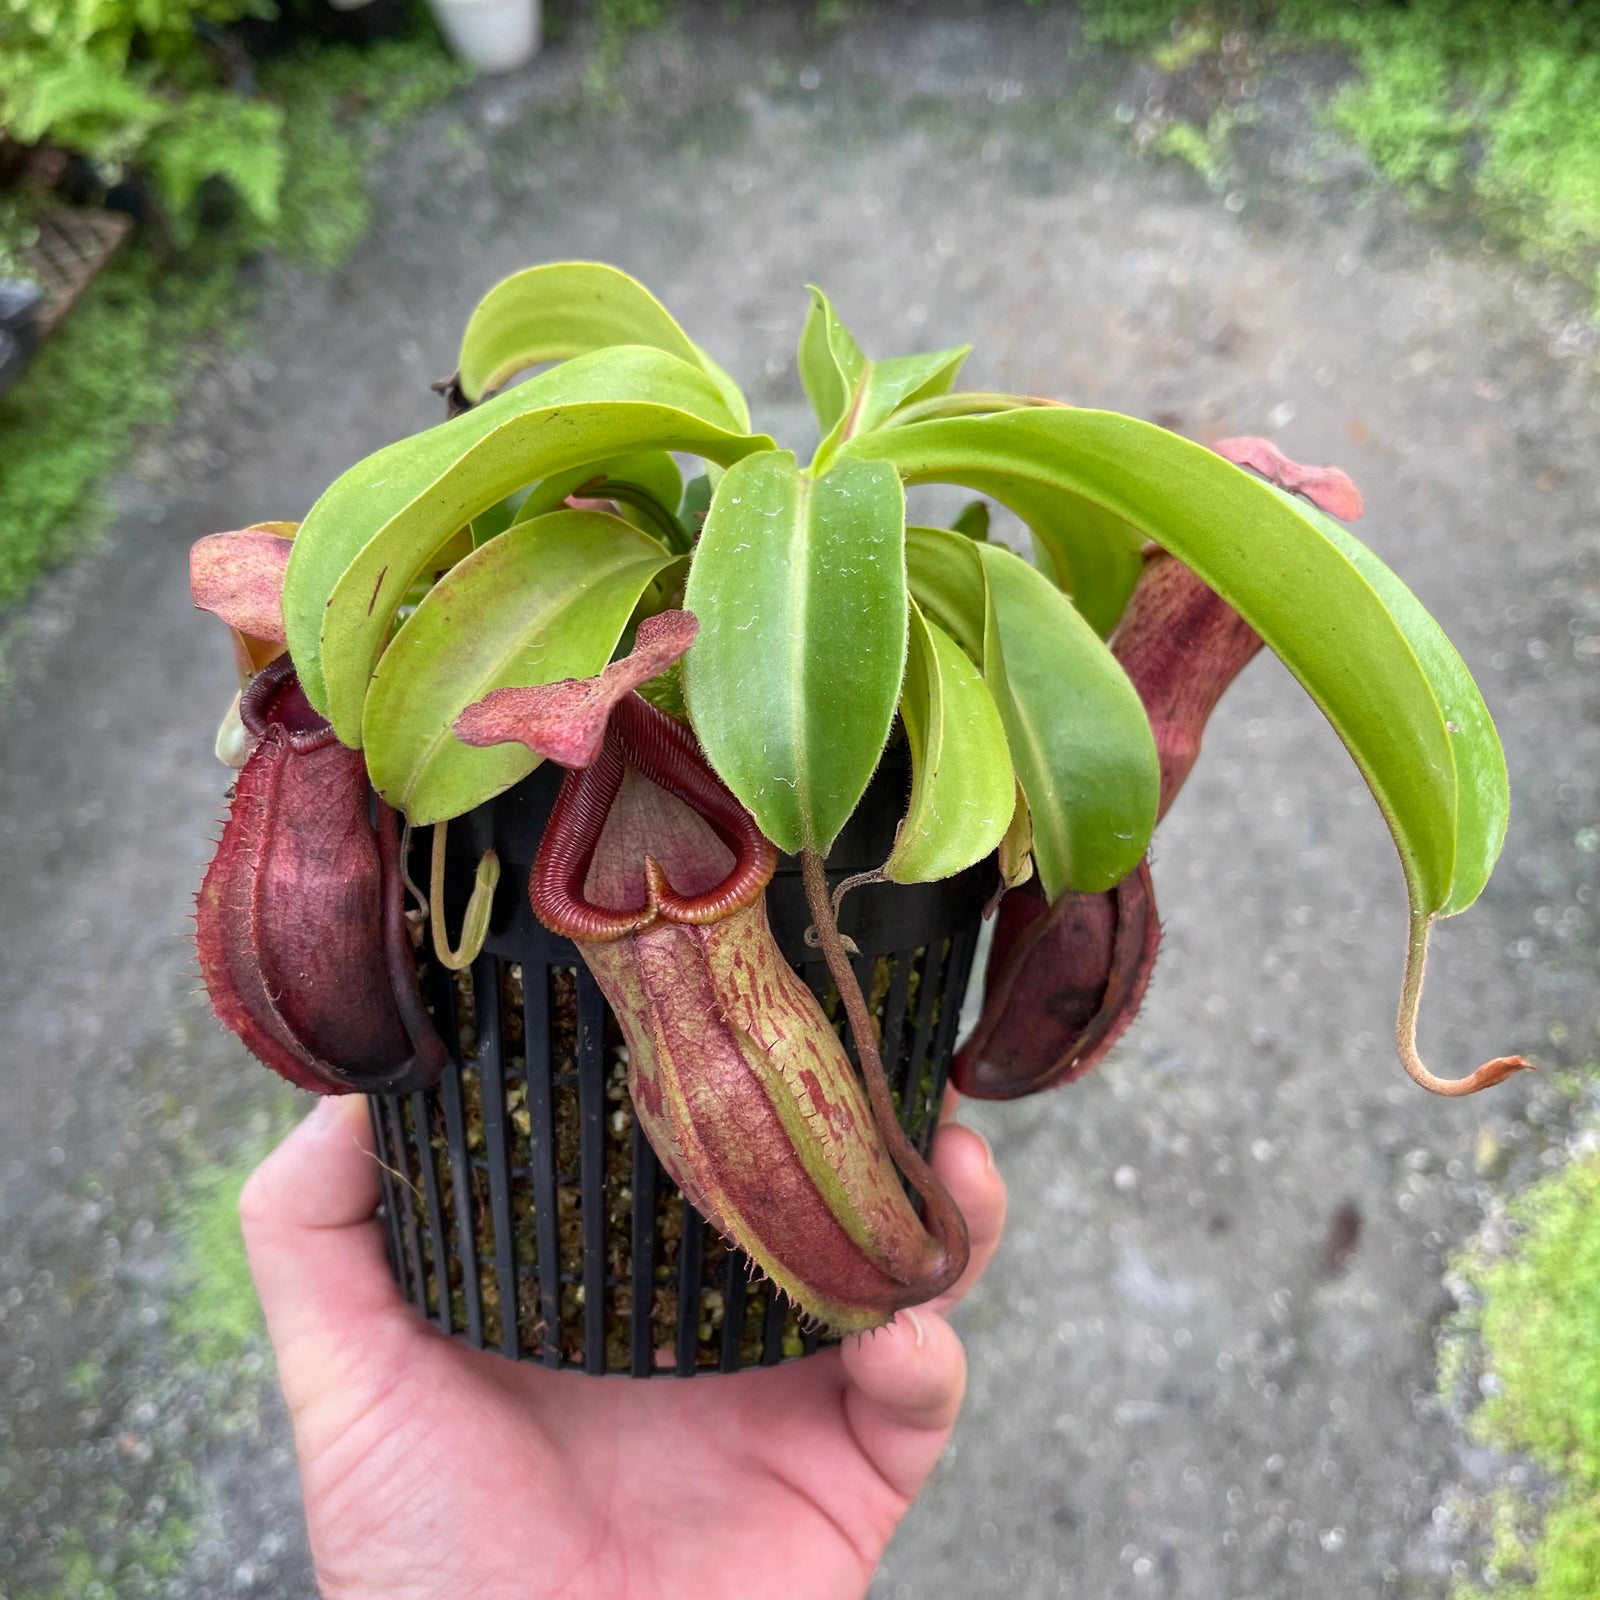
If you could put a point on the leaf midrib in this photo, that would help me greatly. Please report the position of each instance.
(799, 599)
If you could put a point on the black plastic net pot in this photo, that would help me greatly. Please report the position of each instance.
(525, 1210)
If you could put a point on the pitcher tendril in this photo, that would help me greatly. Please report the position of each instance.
(1486, 1077)
(944, 1217)
(475, 924)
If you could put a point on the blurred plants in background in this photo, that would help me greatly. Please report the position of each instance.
(146, 83)
(160, 104)
(1473, 102)
(229, 176)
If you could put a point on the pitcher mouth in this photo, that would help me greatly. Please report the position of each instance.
(666, 754)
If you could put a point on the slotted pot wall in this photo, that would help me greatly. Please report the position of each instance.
(532, 1126)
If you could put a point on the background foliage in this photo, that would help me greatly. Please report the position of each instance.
(117, 363)
(125, 81)
(1482, 100)
(1473, 102)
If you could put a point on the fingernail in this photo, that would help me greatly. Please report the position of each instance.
(916, 1323)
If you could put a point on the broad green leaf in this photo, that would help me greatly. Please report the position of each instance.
(652, 471)
(1079, 738)
(732, 394)
(830, 361)
(374, 530)
(973, 521)
(490, 524)
(800, 587)
(546, 600)
(1483, 797)
(947, 581)
(1337, 621)
(569, 308)
(553, 312)
(1093, 554)
(880, 386)
(963, 791)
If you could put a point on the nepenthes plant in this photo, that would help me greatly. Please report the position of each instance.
(718, 665)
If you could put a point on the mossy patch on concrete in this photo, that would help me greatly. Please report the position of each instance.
(1475, 102)
(1530, 1338)
(218, 1317)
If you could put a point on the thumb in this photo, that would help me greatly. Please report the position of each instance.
(907, 1381)
(316, 1248)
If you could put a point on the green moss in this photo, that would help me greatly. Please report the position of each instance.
(1130, 22)
(1497, 101)
(337, 104)
(1470, 100)
(1540, 1309)
(146, 1559)
(217, 1318)
(113, 369)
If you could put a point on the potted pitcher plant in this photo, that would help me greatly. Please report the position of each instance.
(625, 832)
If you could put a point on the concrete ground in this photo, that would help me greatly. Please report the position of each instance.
(1202, 1366)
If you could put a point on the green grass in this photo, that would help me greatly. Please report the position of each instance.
(1539, 1327)
(115, 368)
(1196, 147)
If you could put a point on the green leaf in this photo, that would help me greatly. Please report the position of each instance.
(963, 791)
(568, 308)
(830, 361)
(1093, 554)
(1078, 735)
(492, 523)
(373, 531)
(653, 473)
(800, 587)
(947, 581)
(1483, 796)
(851, 394)
(880, 386)
(547, 600)
(973, 521)
(1343, 624)
(695, 504)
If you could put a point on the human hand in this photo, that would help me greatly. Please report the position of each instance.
(432, 1471)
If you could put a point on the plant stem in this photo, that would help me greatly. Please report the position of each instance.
(944, 1219)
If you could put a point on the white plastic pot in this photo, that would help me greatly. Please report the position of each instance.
(491, 35)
